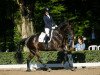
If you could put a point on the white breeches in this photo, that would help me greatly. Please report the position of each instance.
(47, 30)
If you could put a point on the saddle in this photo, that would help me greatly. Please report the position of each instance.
(42, 36)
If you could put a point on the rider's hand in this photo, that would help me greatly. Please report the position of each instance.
(53, 27)
(56, 26)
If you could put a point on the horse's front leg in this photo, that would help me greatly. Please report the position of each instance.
(70, 61)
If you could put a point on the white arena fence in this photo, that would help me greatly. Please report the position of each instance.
(94, 47)
(36, 66)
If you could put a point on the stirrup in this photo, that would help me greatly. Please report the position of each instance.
(46, 46)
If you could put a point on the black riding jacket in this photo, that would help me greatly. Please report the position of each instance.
(48, 22)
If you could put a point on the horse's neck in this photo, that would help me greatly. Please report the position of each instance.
(57, 36)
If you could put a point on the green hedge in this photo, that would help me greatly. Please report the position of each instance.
(80, 56)
(88, 56)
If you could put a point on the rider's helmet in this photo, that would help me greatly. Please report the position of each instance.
(46, 9)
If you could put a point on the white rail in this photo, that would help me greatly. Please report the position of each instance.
(24, 66)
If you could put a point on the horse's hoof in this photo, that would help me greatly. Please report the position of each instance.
(73, 69)
(34, 69)
(28, 70)
(49, 69)
(44, 69)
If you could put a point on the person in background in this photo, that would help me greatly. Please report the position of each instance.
(93, 38)
(80, 45)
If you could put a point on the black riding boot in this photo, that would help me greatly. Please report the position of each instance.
(46, 42)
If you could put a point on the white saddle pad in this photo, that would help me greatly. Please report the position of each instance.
(41, 37)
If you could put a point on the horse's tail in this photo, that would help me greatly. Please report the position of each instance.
(18, 54)
(20, 44)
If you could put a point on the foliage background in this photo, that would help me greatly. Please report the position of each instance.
(83, 15)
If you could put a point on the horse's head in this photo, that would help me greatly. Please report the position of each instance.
(64, 27)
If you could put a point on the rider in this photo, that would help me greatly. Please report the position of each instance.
(49, 23)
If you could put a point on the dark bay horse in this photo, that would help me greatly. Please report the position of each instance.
(57, 43)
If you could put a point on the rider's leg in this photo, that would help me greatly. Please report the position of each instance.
(47, 31)
(47, 38)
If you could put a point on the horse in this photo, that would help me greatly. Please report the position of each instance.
(57, 43)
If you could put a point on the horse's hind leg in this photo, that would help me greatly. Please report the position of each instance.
(44, 65)
(28, 61)
(38, 58)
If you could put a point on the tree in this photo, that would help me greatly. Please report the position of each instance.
(26, 21)
(7, 10)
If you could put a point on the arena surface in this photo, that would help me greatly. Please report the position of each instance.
(82, 71)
